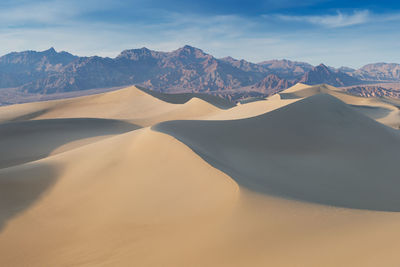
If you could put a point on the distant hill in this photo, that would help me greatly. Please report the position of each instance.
(187, 69)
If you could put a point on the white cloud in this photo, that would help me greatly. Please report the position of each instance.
(332, 21)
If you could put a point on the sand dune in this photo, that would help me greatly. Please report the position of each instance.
(317, 149)
(251, 109)
(384, 110)
(110, 203)
(305, 180)
(31, 140)
(113, 208)
(182, 98)
(130, 104)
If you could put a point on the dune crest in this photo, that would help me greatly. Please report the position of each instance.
(308, 150)
(130, 104)
(114, 198)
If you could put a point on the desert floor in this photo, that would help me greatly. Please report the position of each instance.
(307, 177)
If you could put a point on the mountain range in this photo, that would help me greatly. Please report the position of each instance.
(187, 69)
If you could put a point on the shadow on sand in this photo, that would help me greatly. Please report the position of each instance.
(21, 186)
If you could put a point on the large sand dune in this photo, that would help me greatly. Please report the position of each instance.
(120, 196)
(310, 180)
(130, 104)
(383, 110)
(182, 98)
(317, 149)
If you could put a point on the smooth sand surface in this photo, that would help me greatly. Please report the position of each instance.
(26, 141)
(383, 110)
(331, 156)
(182, 98)
(310, 181)
(127, 196)
(129, 104)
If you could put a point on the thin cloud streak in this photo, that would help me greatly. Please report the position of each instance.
(332, 21)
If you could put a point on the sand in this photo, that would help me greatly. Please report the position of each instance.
(313, 156)
(129, 104)
(110, 180)
(383, 110)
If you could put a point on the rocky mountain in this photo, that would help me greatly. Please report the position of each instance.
(323, 74)
(286, 69)
(187, 69)
(378, 72)
(272, 84)
(373, 91)
(17, 69)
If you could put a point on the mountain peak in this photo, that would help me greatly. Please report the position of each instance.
(51, 50)
(322, 66)
(323, 74)
(136, 54)
(187, 49)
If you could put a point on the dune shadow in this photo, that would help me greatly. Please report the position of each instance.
(26, 141)
(289, 96)
(29, 116)
(181, 98)
(316, 150)
(371, 111)
(22, 186)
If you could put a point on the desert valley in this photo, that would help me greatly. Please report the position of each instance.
(131, 177)
(213, 133)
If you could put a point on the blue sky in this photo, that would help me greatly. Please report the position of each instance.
(350, 33)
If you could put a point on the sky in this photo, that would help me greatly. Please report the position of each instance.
(336, 33)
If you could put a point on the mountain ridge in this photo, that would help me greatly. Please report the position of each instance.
(187, 69)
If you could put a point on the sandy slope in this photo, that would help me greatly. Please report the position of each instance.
(279, 189)
(317, 149)
(182, 98)
(113, 208)
(251, 109)
(32, 140)
(130, 104)
(111, 203)
(383, 110)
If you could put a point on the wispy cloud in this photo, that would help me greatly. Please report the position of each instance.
(332, 21)
(48, 12)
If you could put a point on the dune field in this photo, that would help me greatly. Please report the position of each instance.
(306, 177)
